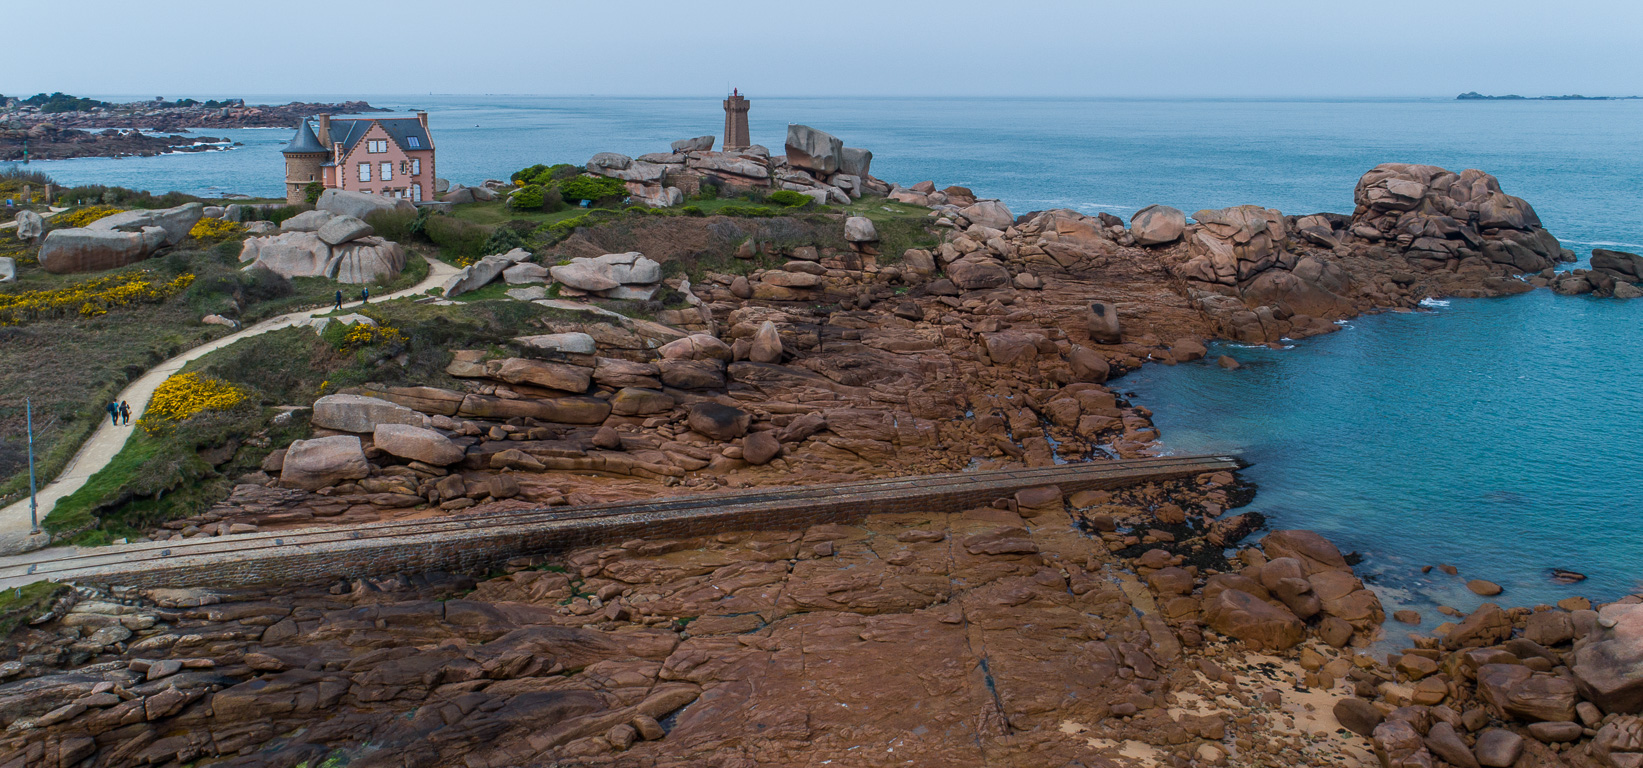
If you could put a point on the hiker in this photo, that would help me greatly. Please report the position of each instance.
(125, 414)
(339, 299)
(364, 295)
(113, 413)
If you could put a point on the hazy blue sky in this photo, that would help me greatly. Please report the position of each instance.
(846, 47)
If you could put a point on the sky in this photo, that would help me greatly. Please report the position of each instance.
(1041, 48)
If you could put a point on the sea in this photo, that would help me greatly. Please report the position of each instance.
(1501, 436)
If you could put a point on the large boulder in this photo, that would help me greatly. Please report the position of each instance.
(1157, 225)
(571, 343)
(606, 162)
(1102, 322)
(30, 226)
(1314, 552)
(1608, 666)
(1623, 265)
(366, 260)
(1233, 244)
(1258, 623)
(8, 269)
(1434, 215)
(526, 274)
(290, 254)
(361, 414)
(989, 213)
(90, 250)
(639, 401)
(859, 229)
(175, 221)
(359, 204)
(855, 162)
(973, 274)
(541, 373)
(476, 275)
(342, 229)
(323, 461)
(698, 144)
(630, 268)
(719, 422)
(697, 346)
(585, 275)
(813, 150)
(416, 444)
(307, 221)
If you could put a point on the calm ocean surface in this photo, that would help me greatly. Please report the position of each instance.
(1502, 436)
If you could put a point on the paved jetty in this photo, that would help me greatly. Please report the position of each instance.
(480, 541)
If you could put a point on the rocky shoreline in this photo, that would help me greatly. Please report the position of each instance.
(48, 142)
(1106, 628)
(144, 129)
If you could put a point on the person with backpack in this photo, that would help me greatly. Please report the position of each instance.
(339, 299)
(125, 414)
(113, 413)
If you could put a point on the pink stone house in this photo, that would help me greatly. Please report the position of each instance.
(391, 156)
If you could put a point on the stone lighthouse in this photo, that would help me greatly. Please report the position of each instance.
(736, 136)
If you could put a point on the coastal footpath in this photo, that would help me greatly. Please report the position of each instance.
(1124, 626)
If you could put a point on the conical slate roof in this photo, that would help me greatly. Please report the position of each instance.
(305, 142)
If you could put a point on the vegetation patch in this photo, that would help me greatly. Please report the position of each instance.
(185, 395)
(80, 217)
(22, 604)
(90, 298)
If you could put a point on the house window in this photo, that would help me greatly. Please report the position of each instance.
(416, 167)
(364, 171)
(376, 147)
(416, 193)
(412, 142)
(387, 171)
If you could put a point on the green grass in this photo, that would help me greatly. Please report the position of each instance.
(20, 604)
(497, 212)
(493, 292)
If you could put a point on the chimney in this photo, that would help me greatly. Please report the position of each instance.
(422, 117)
(325, 130)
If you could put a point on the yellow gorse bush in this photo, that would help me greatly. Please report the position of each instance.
(82, 216)
(214, 229)
(90, 298)
(187, 394)
(362, 335)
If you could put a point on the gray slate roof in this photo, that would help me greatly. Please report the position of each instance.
(349, 132)
(305, 142)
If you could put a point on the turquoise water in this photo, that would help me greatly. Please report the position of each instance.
(1502, 436)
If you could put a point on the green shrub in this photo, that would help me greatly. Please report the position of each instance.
(312, 192)
(791, 199)
(552, 200)
(396, 225)
(503, 239)
(592, 189)
(527, 175)
(527, 198)
(457, 239)
(709, 189)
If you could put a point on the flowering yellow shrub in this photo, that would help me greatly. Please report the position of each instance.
(90, 298)
(186, 394)
(82, 216)
(361, 335)
(214, 229)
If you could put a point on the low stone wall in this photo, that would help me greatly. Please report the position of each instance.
(478, 543)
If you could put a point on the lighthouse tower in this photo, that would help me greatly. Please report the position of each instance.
(736, 136)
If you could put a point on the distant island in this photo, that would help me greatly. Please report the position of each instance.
(1475, 96)
(58, 125)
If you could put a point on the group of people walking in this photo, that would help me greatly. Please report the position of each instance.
(119, 413)
(364, 296)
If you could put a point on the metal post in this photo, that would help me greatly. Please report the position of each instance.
(34, 504)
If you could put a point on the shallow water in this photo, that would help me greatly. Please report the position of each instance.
(1502, 436)
(1460, 435)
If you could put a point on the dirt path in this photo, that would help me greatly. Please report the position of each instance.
(106, 443)
(48, 214)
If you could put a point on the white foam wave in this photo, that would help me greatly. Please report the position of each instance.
(1432, 303)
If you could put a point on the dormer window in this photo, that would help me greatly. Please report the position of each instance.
(411, 141)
